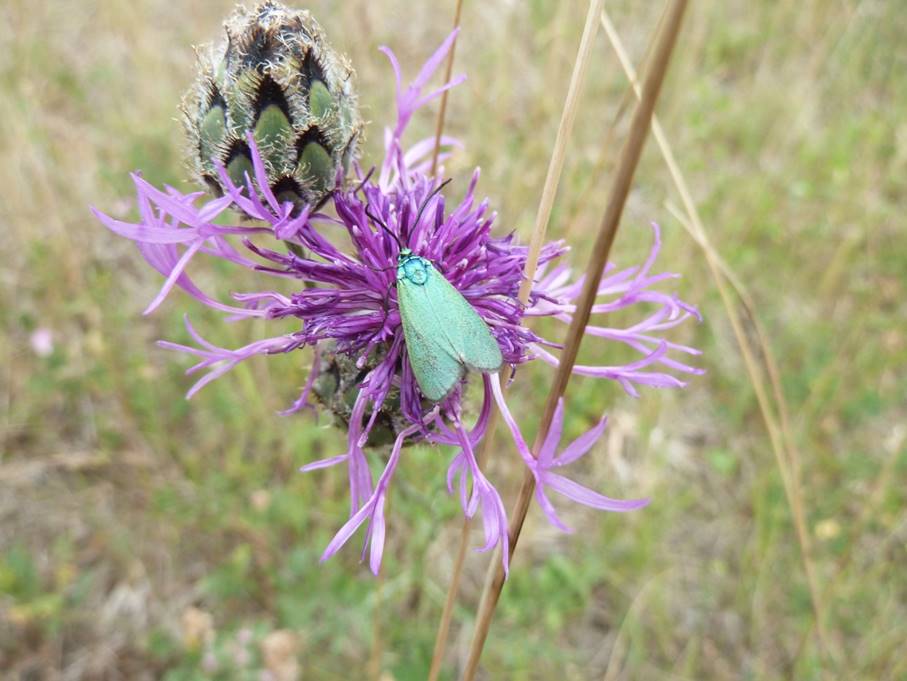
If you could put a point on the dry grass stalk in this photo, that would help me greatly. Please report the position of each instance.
(559, 154)
(543, 215)
(620, 188)
(442, 110)
(377, 650)
(453, 590)
(786, 453)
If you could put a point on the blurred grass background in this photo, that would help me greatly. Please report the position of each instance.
(143, 537)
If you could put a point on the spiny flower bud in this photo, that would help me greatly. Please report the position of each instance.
(337, 386)
(275, 77)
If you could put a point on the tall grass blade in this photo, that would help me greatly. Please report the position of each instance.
(620, 188)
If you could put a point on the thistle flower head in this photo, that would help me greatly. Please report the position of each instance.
(276, 77)
(344, 305)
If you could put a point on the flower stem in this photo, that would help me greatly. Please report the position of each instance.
(629, 159)
(549, 191)
(442, 110)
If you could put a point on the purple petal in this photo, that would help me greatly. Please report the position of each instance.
(261, 175)
(584, 495)
(582, 444)
(395, 65)
(548, 509)
(173, 277)
(377, 539)
(521, 445)
(434, 61)
(553, 438)
(324, 463)
(422, 101)
(144, 233)
(345, 532)
(178, 209)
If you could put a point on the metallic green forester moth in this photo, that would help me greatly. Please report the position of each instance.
(444, 334)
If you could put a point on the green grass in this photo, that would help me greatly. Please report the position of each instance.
(122, 505)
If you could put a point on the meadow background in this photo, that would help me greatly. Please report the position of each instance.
(143, 536)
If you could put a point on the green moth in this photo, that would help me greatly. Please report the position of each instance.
(444, 334)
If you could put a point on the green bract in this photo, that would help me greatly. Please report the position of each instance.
(276, 77)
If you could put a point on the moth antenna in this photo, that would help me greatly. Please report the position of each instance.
(365, 179)
(380, 269)
(378, 221)
(435, 192)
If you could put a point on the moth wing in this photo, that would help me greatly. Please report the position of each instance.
(468, 335)
(436, 366)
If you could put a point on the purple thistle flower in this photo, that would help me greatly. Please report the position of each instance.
(345, 307)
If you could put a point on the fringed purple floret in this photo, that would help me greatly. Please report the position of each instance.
(546, 460)
(346, 301)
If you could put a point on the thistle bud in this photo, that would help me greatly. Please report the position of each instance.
(276, 77)
(337, 387)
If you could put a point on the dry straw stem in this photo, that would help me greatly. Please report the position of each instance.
(559, 154)
(607, 158)
(786, 453)
(442, 110)
(629, 159)
(543, 215)
(373, 669)
(447, 613)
